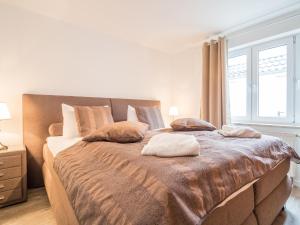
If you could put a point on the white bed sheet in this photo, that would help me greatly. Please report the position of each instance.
(59, 143)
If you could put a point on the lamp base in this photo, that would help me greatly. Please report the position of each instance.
(3, 147)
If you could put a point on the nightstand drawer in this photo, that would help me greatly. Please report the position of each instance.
(8, 173)
(10, 161)
(10, 196)
(10, 184)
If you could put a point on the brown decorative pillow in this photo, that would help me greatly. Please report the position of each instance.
(191, 124)
(121, 132)
(151, 116)
(56, 129)
(91, 118)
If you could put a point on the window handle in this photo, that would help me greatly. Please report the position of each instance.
(279, 113)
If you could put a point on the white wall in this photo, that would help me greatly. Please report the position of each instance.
(42, 55)
(186, 70)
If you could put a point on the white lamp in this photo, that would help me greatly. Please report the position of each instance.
(173, 111)
(4, 115)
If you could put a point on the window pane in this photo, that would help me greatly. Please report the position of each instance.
(272, 80)
(237, 76)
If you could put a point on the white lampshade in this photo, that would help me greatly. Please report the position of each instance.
(4, 112)
(173, 111)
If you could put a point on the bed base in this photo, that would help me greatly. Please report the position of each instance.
(60, 204)
(257, 203)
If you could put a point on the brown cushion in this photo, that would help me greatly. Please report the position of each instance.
(91, 118)
(56, 129)
(190, 124)
(122, 132)
(151, 116)
(251, 220)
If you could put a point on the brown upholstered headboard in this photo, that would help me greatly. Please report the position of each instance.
(39, 111)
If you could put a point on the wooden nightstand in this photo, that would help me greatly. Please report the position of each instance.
(13, 175)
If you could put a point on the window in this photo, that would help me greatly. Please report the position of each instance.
(272, 75)
(237, 67)
(261, 82)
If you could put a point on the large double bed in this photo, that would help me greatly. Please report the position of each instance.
(232, 182)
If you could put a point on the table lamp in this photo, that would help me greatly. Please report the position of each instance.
(4, 115)
(173, 111)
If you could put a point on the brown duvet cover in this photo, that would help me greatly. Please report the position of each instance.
(111, 183)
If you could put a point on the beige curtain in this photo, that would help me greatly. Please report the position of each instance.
(213, 97)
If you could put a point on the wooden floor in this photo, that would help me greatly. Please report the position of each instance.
(37, 211)
(291, 214)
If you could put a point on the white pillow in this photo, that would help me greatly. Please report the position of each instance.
(131, 114)
(70, 128)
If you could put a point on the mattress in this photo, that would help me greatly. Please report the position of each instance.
(59, 143)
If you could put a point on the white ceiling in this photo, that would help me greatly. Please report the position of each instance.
(167, 25)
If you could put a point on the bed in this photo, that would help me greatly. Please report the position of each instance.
(257, 202)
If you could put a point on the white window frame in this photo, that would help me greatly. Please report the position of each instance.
(236, 53)
(290, 80)
(293, 82)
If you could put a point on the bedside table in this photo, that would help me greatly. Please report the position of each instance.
(13, 175)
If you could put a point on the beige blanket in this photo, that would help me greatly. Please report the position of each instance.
(111, 183)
